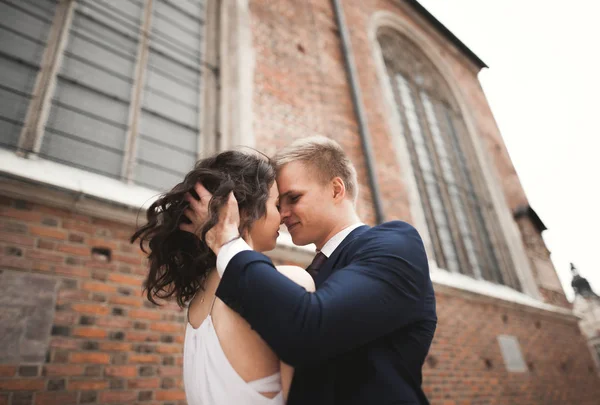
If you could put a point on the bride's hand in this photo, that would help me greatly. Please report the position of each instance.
(226, 228)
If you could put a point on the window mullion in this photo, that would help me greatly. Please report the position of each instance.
(30, 139)
(135, 107)
(208, 133)
(481, 207)
(464, 266)
(498, 253)
(465, 186)
(416, 164)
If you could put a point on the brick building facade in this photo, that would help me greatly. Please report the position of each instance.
(106, 103)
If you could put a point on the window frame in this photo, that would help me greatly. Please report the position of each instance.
(409, 24)
(223, 34)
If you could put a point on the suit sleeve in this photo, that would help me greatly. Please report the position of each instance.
(385, 287)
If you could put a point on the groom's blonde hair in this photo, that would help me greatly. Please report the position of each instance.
(325, 156)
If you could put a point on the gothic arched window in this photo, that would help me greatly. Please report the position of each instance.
(460, 217)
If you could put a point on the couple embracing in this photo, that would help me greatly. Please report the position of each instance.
(353, 328)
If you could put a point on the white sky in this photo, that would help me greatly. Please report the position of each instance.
(543, 86)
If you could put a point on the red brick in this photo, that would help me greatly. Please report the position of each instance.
(46, 244)
(142, 336)
(64, 343)
(120, 371)
(85, 357)
(55, 398)
(103, 243)
(16, 239)
(76, 250)
(72, 271)
(167, 327)
(65, 296)
(170, 395)
(117, 396)
(7, 370)
(143, 383)
(63, 370)
(98, 287)
(129, 301)
(144, 358)
(169, 371)
(65, 318)
(15, 262)
(43, 266)
(57, 212)
(94, 309)
(74, 225)
(29, 216)
(115, 346)
(125, 279)
(130, 259)
(46, 256)
(22, 385)
(48, 232)
(88, 332)
(117, 322)
(76, 238)
(165, 349)
(76, 385)
(145, 314)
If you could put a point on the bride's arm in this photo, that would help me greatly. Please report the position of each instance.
(301, 277)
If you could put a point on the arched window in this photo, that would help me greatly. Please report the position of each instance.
(460, 217)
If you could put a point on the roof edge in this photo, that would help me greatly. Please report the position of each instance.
(447, 33)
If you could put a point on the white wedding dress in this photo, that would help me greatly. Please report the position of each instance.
(209, 378)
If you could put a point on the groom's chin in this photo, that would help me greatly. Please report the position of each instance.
(299, 241)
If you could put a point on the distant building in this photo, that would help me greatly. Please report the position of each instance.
(104, 104)
(587, 304)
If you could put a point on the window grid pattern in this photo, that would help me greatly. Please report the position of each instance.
(93, 105)
(461, 221)
(24, 29)
(167, 146)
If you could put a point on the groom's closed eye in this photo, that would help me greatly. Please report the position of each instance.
(293, 198)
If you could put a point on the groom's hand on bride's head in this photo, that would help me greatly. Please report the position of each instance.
(197, 213)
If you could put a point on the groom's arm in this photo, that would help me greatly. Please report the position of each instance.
(385, 288)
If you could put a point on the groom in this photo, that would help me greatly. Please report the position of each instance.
(363, 336)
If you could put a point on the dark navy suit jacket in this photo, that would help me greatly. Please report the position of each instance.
(363, 336)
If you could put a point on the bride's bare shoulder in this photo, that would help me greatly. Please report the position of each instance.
(298, 275)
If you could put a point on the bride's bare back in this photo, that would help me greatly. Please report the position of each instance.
(248, 353)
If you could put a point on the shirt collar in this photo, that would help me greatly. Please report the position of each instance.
(333, 243)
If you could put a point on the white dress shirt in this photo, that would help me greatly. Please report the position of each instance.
(229, 250)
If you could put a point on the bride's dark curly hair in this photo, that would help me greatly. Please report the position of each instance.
(179, 261)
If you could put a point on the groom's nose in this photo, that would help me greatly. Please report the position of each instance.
(284, 213)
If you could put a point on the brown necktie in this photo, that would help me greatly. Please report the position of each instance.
(315, 265)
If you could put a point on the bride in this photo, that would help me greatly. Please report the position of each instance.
(224, 360)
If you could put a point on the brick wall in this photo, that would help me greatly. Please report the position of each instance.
(465, 364)
(103, 343)
(79, 329)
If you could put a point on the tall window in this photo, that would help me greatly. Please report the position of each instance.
(460, 217)
(126, 102)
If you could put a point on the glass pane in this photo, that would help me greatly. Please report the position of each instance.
(24, 30)
(88, 120)
(487, 257)
(460, 211)
(426, 166)
(167, 146)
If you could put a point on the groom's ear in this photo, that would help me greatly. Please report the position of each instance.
(338, 189)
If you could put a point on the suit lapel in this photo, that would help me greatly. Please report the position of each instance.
(328, 267)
